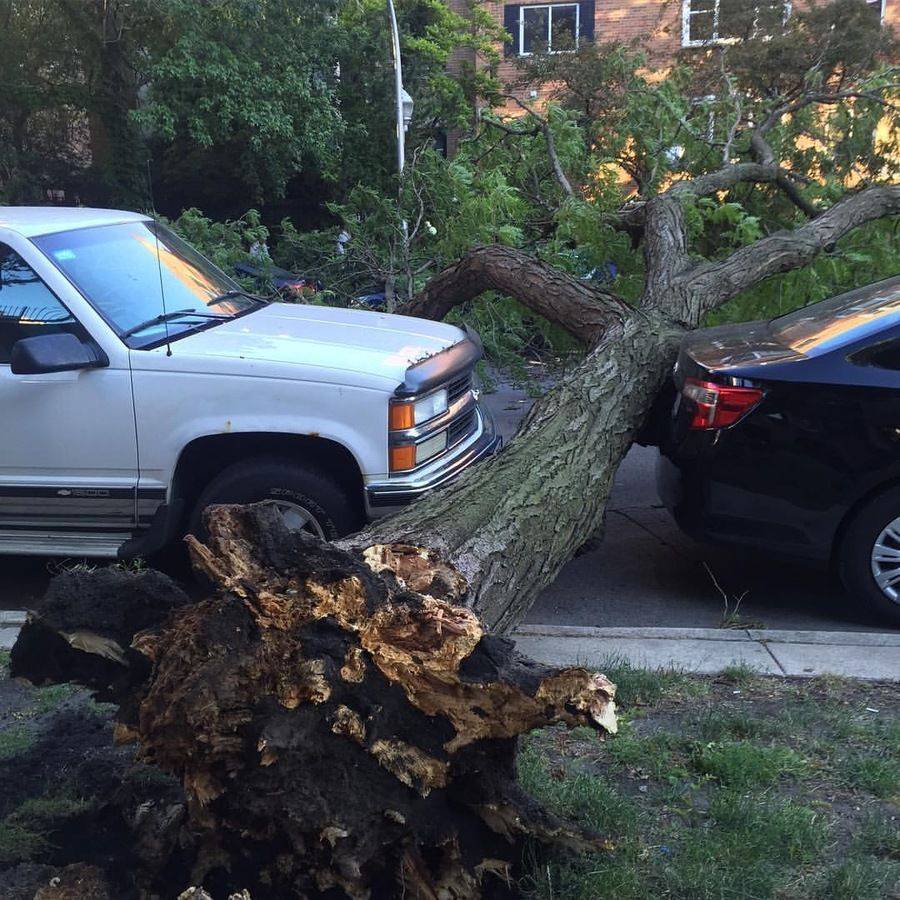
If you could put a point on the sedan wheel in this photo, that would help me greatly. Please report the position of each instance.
(868, 555)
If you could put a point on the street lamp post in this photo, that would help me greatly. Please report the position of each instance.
(402, 101)
(403, 110)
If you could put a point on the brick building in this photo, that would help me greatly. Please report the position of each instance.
(660, 27)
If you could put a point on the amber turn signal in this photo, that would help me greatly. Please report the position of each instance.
(403, 457)
(402, 416)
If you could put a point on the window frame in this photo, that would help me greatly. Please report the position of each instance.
(687, 13)
(520, 51)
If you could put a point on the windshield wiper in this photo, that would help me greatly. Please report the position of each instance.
(174, 314)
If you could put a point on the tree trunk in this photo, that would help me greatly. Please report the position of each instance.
(338, 721)
(510, 524)
(117, 152)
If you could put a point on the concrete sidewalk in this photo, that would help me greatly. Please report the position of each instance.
(11, 620)
(711, 650)
(704, 651)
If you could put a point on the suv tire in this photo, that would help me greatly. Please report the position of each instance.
(301, 489)
(855, 554)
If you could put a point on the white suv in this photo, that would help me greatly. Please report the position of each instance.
(139, 384)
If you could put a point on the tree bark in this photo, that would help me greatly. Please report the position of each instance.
(579, 307)
(510, 524)
(339, 722)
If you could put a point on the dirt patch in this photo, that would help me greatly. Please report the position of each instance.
(71, 796)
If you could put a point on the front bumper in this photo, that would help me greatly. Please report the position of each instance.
(385, 497)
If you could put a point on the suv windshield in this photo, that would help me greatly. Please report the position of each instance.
(840, 320)
(145, 281)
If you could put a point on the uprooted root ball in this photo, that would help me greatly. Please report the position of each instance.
(340, 721)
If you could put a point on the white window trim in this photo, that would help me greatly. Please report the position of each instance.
(710, 113)
(549, 7)
(686, 14)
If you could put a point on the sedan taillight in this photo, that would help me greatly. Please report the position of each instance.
(718, 405)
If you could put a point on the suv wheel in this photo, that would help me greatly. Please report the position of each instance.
(308, 499)
(869, 555)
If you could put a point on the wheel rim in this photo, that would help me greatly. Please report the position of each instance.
(886, 561)
(299, 518)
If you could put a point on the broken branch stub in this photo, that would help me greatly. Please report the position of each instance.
(341, 722)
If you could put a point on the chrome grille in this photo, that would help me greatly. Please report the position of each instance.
(459, 386)
(461, 427)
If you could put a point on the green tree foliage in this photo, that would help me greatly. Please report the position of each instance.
(240, 95)
(235, 102)
(225, 243)
(447, 209)
(620, 132)
(67, 90)
(244, 102)
(430, 32)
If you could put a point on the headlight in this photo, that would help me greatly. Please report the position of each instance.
(409, 413)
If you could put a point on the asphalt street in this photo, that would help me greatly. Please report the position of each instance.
(646, 573)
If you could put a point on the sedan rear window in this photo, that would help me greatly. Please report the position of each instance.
(840, 320)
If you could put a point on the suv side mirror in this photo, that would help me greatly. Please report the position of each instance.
(46, 353)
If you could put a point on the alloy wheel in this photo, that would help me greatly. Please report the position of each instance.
(298, 518)
(885, 560)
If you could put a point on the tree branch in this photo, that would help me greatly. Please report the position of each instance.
(581, 308)
(547, 131)
(717, 282)
(728, 177)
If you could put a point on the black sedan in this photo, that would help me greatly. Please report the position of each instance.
(785, 436)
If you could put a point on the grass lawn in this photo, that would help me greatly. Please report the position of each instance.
(737, 786)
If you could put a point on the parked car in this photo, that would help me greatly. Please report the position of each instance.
(271, 279)
(374, 298)
(139, 384)
(785, 436)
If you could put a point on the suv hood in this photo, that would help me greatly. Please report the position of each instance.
(321, 337)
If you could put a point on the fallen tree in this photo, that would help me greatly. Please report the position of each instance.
(511, 524)
(339, 716)
(338, 721)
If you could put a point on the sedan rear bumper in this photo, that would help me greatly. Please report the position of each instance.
(385, 497)
(716, 510)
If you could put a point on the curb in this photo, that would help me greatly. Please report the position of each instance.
(703, 651)
(12, 618)
(708, 651)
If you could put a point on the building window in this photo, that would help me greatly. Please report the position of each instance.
(548, 27)
(721, 21)
(876, 7)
